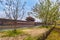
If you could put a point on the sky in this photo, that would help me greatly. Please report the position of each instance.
(28, 7)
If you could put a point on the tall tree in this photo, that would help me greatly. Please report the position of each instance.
(47, 11)
(14, 9)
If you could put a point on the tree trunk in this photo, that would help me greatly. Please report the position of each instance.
(15, 23)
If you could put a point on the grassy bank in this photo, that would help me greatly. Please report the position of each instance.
(54, 35)
(35, 33)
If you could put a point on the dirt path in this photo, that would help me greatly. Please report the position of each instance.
(35, 32)
(32, 32)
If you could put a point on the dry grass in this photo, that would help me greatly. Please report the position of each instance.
(35, 32)
(13, 38)
(54, 35)
(32, 32)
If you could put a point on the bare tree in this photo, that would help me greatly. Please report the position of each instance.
(14, 9)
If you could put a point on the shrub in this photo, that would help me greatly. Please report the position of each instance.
(11, 33)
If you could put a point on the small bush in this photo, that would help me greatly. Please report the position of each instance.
(13, 33)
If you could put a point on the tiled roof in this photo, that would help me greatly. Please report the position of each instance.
(10, 20)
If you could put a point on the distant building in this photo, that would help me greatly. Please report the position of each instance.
(9, 23)
(15, 22)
